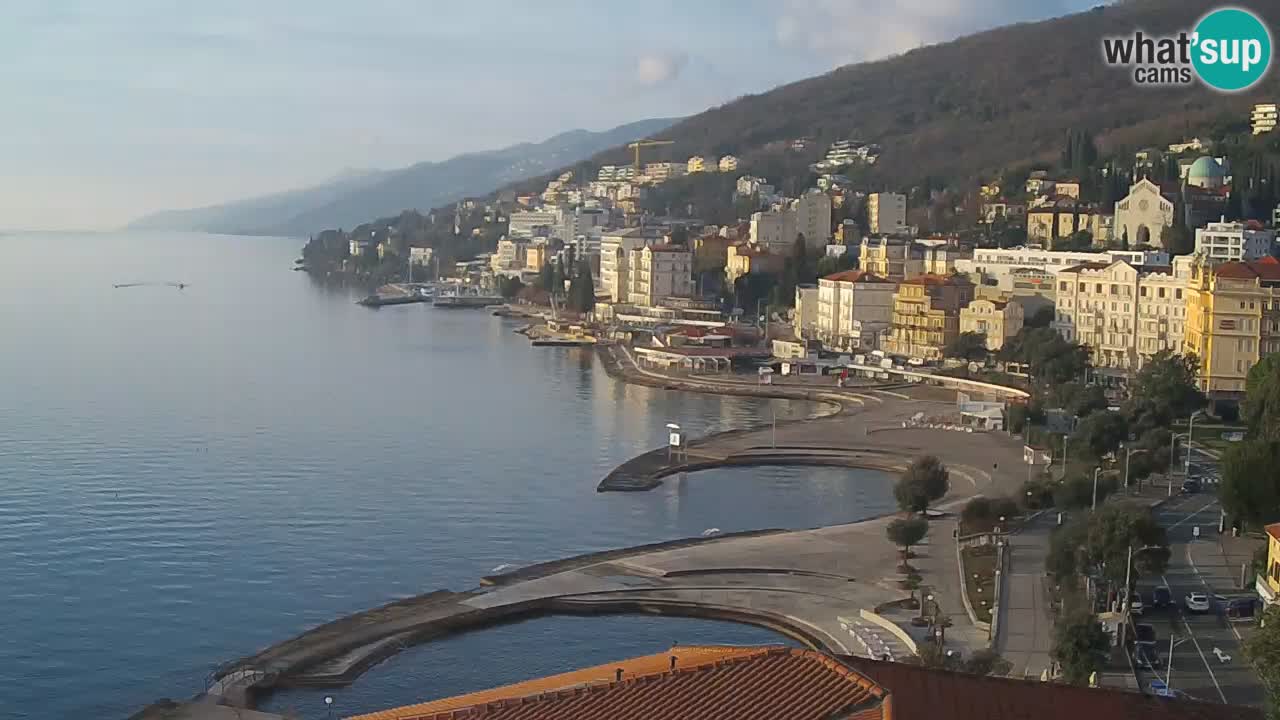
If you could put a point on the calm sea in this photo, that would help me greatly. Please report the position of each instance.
(189, 475)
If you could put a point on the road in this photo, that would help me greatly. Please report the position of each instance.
(1208, 659)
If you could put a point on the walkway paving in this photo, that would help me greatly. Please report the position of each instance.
(1025, 630)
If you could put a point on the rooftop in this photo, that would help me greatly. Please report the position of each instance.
(854, 276)
(706, 683)
(936, 280)
(916, 692)
(1274, 530)
(1268, 269)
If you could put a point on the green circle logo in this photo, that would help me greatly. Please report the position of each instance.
(1231, 49)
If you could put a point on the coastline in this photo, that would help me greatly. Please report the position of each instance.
(338, 652)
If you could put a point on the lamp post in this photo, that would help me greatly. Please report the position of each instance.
(1127, 455)
(1096, 472)
(1191, 428)
(328, 702)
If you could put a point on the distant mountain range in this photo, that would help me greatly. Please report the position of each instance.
(355, 196)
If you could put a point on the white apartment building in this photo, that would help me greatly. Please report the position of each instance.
(749, 185)
(658, 272)
(615, 255)
(1263, 118)
(805, 319)
(1234, 241)
(887, 213)
(582, 228)
(616, 173)
(728, 163)
(420, 255)
(659, 172)
(1125, 314)
(809, 215)
(532, 223)
(854, 307)
(508, 257)
(1000, 266)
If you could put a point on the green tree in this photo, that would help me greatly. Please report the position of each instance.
(1263, 651)
(1164, 389)
(546, 278)
(986, 662)
(1250, 488)
(1114, 528)
(1080, 646)
(1177, 239)
(510, 287)
(905, 532)
(1262, 398)
(1066, 549)
(1041, 318)
(970, 346)
(924, 481)
(1101, 432)
(1078, 399)
(1077, 492)
(582, 291)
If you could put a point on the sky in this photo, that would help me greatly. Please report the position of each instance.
(113, 109)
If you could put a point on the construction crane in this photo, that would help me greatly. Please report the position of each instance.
(646, 143)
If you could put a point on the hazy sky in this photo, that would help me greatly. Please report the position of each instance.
(114, 108)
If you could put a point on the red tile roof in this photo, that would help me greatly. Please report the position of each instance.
(1274, 530)
(916, 692)
(1267, 268)
(934, 279)
(730, 684)
(854, 276)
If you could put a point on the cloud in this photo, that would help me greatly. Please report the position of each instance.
(659, 68)
(848, 31)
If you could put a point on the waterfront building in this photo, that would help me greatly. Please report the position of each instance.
(615, 256)
(886, 213)
(854, 307)
(995, 320)
(657, 272)
(507, 257)
(805, 318)
(1124, 313)
(420, 255)
(1234, 241)
(1233, 319)
(1024, 270)
(926, 315)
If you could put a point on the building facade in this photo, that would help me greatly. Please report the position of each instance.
(1233, 319)
(854, 307)
(926, 315)
(615, 257)
(532, 223)
(887, 213)
(1125, 314)
(728, 163)
(744, 258)
(1234, 241)
(995, 320)
(657, 272)
(1263, 118)
(699, 163)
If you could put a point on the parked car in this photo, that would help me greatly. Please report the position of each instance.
(1162, 597)
(1197, 602)
(1242, 609)
(1144, 634)
(1135, 603)
(1190, 486)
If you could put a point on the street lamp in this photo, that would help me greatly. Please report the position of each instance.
(328, 702)
(1127, 455)
(1096, 472)
(1191, 428)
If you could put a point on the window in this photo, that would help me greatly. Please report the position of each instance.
(1142, 291)
(1098, 288)
(1241, 304)
(1178, 293)
(1062, 286)
(1160, 292)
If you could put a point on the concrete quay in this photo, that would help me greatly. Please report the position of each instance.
(831, 588)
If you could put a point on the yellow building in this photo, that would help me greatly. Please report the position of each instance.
(926, 315)
(1233, 319)
(699, 163)
(996, 320)
(744, 258)
(1268, 583)
(535, 256)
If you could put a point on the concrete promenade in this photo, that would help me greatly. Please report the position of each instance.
(812, 585)
(1026, 622)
